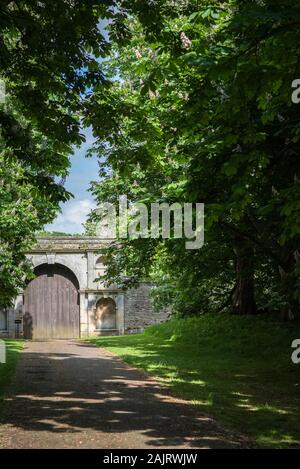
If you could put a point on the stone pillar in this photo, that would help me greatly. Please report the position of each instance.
(11, 314)
(19, 314)
(91, 312)
(84, 322)
(90, 269)
(120, 303)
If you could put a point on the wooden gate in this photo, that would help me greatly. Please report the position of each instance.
(51, 304)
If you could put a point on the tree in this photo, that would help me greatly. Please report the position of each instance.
(49, 57)
(22, 211)
(204, 113)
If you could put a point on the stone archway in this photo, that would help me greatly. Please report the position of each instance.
(51, 304)
(106, 314)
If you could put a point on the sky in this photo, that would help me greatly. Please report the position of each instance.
(74, 212)
(83, 170)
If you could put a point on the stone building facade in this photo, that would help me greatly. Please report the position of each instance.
(66, 300)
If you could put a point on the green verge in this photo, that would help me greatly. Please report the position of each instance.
(13, 350)
(237, 369)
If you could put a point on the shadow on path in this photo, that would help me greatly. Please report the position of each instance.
(66, 395)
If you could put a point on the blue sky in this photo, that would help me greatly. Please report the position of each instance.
(82, 172)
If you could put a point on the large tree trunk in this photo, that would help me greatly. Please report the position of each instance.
(243, 298)
(288, 286)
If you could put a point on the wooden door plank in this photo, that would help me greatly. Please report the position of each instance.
(51, 301)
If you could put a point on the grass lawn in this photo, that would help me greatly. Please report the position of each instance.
(237, 369)
(13, 349)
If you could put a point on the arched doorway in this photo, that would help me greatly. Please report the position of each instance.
(51, 304)
(105, 315)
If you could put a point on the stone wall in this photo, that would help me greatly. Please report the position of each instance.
(83, 257)
(12, 328)
(138, 310)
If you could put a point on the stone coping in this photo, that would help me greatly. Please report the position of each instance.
(69, 244)
(102, 290)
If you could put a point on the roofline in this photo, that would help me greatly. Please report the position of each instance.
(73, 238)
(46, 244)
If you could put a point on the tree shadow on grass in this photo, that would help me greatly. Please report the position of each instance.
(74, 393)
(93, 395)
(245, 392)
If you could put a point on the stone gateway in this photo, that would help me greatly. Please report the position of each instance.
(65, 301)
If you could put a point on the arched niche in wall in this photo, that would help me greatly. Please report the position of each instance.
(106, 314)
(100, 266)
(101, 261)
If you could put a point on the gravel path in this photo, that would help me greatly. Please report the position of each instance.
(68, 394)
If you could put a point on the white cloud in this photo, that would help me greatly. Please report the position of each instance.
(73, 214)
